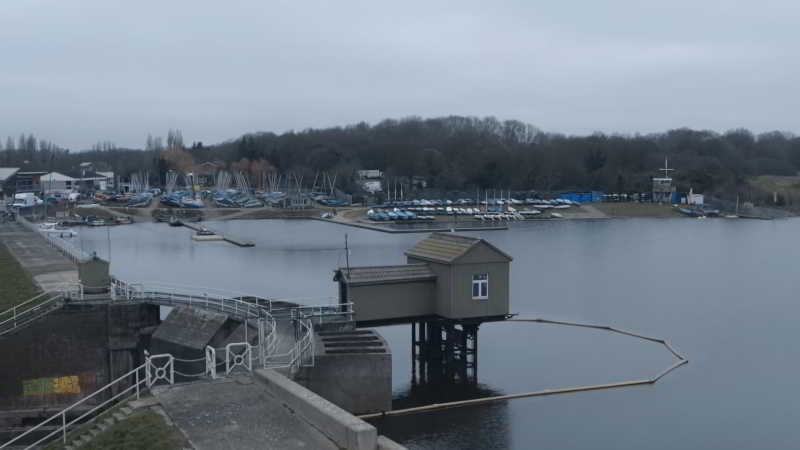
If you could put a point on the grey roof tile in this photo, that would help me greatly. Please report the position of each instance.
(380, 274)
(447, 247)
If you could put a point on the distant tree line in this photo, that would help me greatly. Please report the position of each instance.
(459, 153)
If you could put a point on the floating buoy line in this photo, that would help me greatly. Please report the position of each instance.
(681, 360)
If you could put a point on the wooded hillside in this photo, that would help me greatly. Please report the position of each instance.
(467, 152)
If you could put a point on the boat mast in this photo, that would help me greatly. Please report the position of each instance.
(347, 254)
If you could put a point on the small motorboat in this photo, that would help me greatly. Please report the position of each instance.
(204, 234)
(174, 222)
(556, 215)
(57, 230)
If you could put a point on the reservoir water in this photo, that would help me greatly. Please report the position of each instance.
(723, 292)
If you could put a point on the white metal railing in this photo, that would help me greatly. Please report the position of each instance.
(300, 354)
(319, 314)
(163, 372)
(161, 368)
(128, 385)
(68, 249)
(211, 299)
(211, 362)
(30, 310)
(208, 298)
(242, 358)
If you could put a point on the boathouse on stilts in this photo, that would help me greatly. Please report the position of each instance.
(448, 287)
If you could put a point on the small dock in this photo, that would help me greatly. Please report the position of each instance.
(226, 238)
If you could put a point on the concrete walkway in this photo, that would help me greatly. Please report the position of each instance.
(47, 265)
(236, 413)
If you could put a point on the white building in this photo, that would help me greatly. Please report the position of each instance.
(372, 186)
(694, 199)
(107, 182)
(370, 174)
(57, 182)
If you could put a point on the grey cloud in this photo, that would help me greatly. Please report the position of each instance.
(82, 71)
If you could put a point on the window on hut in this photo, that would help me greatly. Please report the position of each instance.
(480, 286)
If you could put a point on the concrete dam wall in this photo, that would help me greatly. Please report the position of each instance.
(68, 354)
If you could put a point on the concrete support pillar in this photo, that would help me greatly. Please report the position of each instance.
(444, 350)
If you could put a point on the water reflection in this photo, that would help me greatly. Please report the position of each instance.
(475, 427)
(723, 291)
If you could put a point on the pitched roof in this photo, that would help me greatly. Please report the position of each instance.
(385, 274)
(55, 176)
(448, 247)
(7, 172)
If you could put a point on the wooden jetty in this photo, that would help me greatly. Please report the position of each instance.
(226, 238)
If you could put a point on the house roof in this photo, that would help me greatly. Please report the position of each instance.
(7, 172)
(89, 175)
(55, 176)
(448, 247)
(385, 274)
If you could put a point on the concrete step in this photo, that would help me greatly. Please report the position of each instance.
(85, 439)
(69, 447)
(144, 402)
(119, 416)
(110, 421)
(102, 426)
(125, 410)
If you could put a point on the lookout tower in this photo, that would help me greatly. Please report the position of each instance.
(449, 286)
(663, 189)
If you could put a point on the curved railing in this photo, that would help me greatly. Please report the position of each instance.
(300, 354)
(164, 368)
(249, 308)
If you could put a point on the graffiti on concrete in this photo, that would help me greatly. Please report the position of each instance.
(47, 386)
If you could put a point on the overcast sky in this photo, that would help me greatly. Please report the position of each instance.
(76, 72)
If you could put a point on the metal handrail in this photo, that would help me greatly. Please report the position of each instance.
(69, 250)
(185, 288)
(169, 295)
(296, 355)
(318, 312)
(137, 385)
(17, 314)
(20, 318)
(301, 353)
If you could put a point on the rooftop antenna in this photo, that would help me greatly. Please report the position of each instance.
(666, 168)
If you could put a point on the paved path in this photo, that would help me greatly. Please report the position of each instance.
(47, 265)
(236, 413)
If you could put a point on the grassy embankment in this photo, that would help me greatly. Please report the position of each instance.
(787, 188)
(16, 285)
(143, 430)
(637, 210)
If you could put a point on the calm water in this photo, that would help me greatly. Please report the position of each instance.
(722, 291)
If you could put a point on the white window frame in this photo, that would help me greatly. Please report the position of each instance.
(482, 281)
